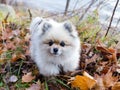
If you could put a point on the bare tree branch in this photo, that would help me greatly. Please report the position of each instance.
(67, 5)
(75, 5)
(86, 10)
(112, 17)
(5, 19)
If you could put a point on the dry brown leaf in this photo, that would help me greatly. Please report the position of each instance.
(105, 81)
(116, 86)
(34, 87)
(1, 51)
(37, 86)
(103, 49)
(10, 45)
(93, 59)
(99, 85)
(83, 82)
(110, 53)
(114, 55)
(27, 37)
(86, 47)
(28, 77)
(109, 80)
(16, 57)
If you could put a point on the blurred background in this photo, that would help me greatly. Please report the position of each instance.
(73, 7)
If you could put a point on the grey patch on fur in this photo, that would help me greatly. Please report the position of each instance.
(36, 25)
(40, 22)
(61, 70)
(68, 27)
(46, 26)
(72, 36)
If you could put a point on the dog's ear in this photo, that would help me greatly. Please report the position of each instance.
(35, 23)
(68, 26)
(46, 27)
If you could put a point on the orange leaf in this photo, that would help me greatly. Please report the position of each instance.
(83, 82)
(103, 49)
(110, 53)
(28, 77)
(116, 86)
(16, 57)
(1, 51)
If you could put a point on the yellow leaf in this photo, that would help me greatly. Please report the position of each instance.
(1, 61)
(87, 75)
(83, 82)
(28, 77)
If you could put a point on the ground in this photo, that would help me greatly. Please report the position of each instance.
(99, 62)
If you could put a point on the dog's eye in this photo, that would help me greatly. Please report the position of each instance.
(62, 44)
(50, 43)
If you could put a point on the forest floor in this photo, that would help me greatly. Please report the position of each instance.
(99, 62)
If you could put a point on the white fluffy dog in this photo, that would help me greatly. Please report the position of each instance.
(54, 45)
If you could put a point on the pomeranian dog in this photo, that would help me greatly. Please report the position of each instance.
(54, 45)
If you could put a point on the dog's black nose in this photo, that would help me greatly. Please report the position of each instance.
(55, 50)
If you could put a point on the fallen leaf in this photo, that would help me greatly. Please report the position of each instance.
(86, 47)
(34, 87)
(83, 82)
(110, 53)
(1, 51)
(28, 77)
(113, 57)
(37, 86)
(27, 37)
(16, 57)
(116, 86)
(92, 59)
(13, 78)
(118, 68)
(99, 84)
(87, 75)
(109, 80)
(2, 61)
(105, 81)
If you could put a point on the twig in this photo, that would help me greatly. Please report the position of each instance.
(117, 23)
(5, 19)
(71, 14)
(66, 8)
(112, 17)
(86, 10)
(30, 14)
(75, 5)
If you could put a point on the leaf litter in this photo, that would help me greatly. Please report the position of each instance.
(99, 65)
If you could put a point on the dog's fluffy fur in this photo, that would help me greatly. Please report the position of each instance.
(54, 45)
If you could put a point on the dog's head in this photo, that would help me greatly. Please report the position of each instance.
(56, 39)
